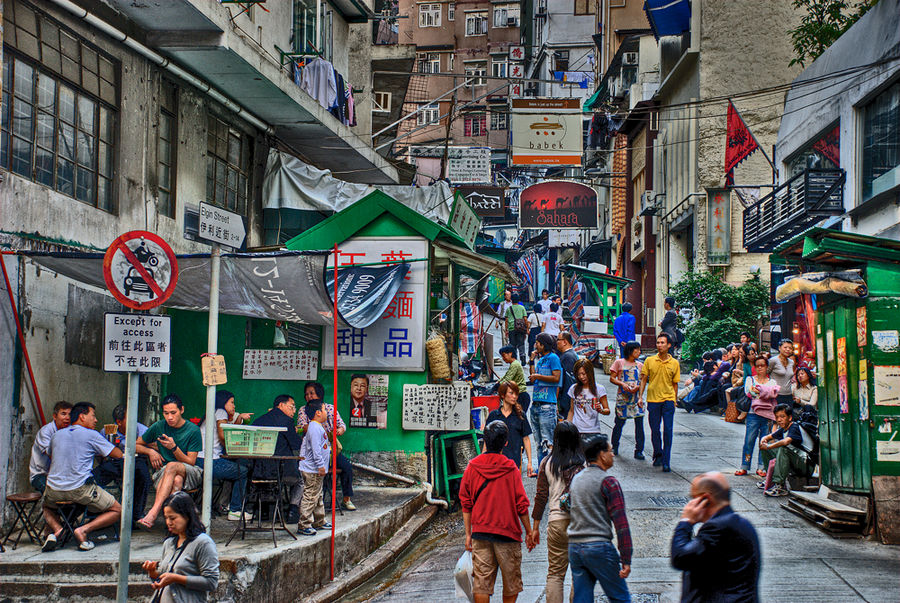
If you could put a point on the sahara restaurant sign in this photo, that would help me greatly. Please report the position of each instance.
(558, 204)
(546, 131)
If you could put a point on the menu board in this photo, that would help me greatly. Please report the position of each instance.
(439, 407)
(286, 365)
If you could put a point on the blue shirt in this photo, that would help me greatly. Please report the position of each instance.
(544, 391)
(623, 328)
(72, 452)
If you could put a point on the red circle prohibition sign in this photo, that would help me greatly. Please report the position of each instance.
(142, 275)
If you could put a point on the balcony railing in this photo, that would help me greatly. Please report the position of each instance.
(793, 207)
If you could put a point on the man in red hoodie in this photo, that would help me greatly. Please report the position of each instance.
(493, 501)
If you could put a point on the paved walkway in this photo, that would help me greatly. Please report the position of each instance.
(800, 563)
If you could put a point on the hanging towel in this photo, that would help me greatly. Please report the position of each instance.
(319, 82)
(351, 107)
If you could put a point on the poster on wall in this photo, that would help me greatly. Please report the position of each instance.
(441, 407)
(285, 365)
(863, 400)
(546, 131)
(558, 204)
(718, 229)
(843, 394)
(886, 341)
(469, 165)
(861, 326)
(396, 341)
(368, 401)
(829, 345)
(842, 356)
(887, 385)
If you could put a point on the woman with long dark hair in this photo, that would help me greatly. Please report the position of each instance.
(805, 391)
(511, 413)
(762, 390)
(189, 568)
(625, 372)
(588, 400)
(222, 468)
(554, 476)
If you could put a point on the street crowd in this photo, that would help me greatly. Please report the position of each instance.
(773, 398)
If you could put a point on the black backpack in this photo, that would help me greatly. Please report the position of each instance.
(808, 420)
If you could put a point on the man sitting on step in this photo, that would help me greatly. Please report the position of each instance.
(792, 449)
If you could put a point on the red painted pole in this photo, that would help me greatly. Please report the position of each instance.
(334, 317)
(12, 304)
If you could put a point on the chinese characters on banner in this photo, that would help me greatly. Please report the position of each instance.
(369, 401)
(440, 407)
(285, 365)
(396, 341)
(464, 221)
(136, 343)
(718, 226)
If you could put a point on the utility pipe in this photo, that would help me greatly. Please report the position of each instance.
(163, 62)
(406, 480)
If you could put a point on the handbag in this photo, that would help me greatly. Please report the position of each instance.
(731, 412)
(743, 404)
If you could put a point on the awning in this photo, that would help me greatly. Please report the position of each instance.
(279, 285)
(473, 261)
(668, 17)
(594, 275)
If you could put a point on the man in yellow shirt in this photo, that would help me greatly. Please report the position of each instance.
(662, 373)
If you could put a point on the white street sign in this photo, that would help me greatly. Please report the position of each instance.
(136, 343)
(221, 226)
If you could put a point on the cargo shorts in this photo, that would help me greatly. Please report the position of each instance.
(90, 495)
(487, 557)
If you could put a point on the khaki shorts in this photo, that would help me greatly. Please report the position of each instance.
(193, 476)
(487, 557)
(92, 496)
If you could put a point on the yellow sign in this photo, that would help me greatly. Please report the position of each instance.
(213, 368)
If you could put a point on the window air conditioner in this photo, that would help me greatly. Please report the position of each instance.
(630, 58)
(512, 22)
(647, 200)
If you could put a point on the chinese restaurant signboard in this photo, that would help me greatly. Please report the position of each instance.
(464, 221)
(546, 131)
(718, 226)
(558, 204)
(395, 342)
(486, 201)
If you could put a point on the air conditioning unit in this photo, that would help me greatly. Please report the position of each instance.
(648, 200)
(630, 58)
(512, 22)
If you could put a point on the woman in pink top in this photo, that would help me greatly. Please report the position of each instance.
(763, 392)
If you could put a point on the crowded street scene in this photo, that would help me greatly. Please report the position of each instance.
(395, 301)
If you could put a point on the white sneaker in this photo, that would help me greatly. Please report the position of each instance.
(236, 516)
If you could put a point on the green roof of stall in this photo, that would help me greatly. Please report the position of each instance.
(351, 220)
(827, 246)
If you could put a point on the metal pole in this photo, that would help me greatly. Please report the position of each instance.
(128, 487)
(211, 346)
(334, 405)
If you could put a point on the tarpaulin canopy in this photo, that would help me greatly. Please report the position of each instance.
(278, 285)
(668, 17)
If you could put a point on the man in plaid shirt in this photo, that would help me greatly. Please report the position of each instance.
(598, 508)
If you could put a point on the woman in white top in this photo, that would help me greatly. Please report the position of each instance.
(534, 327)
(224, 468)
(588, 400)
(552, 321)
(805, 391)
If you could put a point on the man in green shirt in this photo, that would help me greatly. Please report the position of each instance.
(517, 336)
(515, 374)
(172, 445)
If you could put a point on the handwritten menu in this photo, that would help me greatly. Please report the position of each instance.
(287, 365)
(439, 407)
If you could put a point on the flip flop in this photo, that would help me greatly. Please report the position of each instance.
(87, 545)
(141, 524)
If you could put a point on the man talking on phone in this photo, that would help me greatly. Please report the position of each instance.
(721, 563)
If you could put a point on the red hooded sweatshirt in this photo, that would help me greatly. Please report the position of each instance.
(502, 501)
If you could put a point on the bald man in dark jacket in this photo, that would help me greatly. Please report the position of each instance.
(721, 563)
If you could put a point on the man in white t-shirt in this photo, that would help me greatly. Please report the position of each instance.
(545, 301)
(40, 459)
(552, 321)
(502, 307)
(72, 452)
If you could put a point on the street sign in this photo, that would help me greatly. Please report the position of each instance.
(136, 343)
(464, 221)
(221, 226)
(140, 270)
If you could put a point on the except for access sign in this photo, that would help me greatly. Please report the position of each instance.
(140, 270)
(136, 343)
(221, 226)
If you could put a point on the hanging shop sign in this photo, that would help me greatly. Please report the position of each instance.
(516, 52)
(718, 227)
(136, 343)
(558, 204)
(464, 221)
(487, 201)
(140, 270)
(546, 131)
(396, 341)
(469, 165)
(562, 238)
(369, 401)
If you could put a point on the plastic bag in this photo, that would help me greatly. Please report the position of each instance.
(463, 577)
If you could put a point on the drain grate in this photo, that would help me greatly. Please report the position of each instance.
(668, 502)
(689, 434)
(635, 598)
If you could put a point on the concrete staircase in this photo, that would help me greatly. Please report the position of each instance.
(58, 581)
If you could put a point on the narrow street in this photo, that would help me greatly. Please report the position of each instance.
(800, 563)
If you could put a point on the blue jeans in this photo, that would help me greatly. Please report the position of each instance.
(543, 422)
(232, 472)
(638, 432)
(757, 427)
(593, 562)
(665, 412)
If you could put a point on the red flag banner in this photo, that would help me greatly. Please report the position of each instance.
(739, 142)
(830, 146)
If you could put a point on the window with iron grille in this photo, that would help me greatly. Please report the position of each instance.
(473, 70)
(451, 11)
(167, 147)
(475, 125)
(506, 15)
(881, 143)
(430, 115)
(429, 62)
(227, 166)
(499, 121)
(429, 15)
(59, 118)
(476, 24)
(561, 60)
(381, 102)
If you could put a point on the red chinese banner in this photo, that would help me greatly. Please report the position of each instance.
(739, 142)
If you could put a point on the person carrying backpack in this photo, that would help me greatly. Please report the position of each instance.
(517, 326)
(791, 447)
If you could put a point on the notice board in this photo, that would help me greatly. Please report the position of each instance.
(439, 407)
(288, 365)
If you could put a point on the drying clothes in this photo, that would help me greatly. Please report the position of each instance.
(319, 82)
(351, 109)
(340, 99)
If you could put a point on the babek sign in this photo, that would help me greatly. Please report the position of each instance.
(558, 204)
(546, 131)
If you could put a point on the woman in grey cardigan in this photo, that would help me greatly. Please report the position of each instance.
(189, 568)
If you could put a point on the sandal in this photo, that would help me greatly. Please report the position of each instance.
(760, 473)
(741, 472)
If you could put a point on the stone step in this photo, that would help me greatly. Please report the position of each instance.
(46, 591)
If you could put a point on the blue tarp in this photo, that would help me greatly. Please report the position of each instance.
(668, 17)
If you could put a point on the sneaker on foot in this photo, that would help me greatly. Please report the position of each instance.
(307, 532)
(236, 516)
(615, 451)
(324, 526)
(87, 545)
(348, 506)
(666, 469)
(776, 490)
(639, 456)
(761, 485)
(50, 543)
(657, 461)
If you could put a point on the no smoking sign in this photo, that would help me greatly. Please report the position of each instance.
(140, 270)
